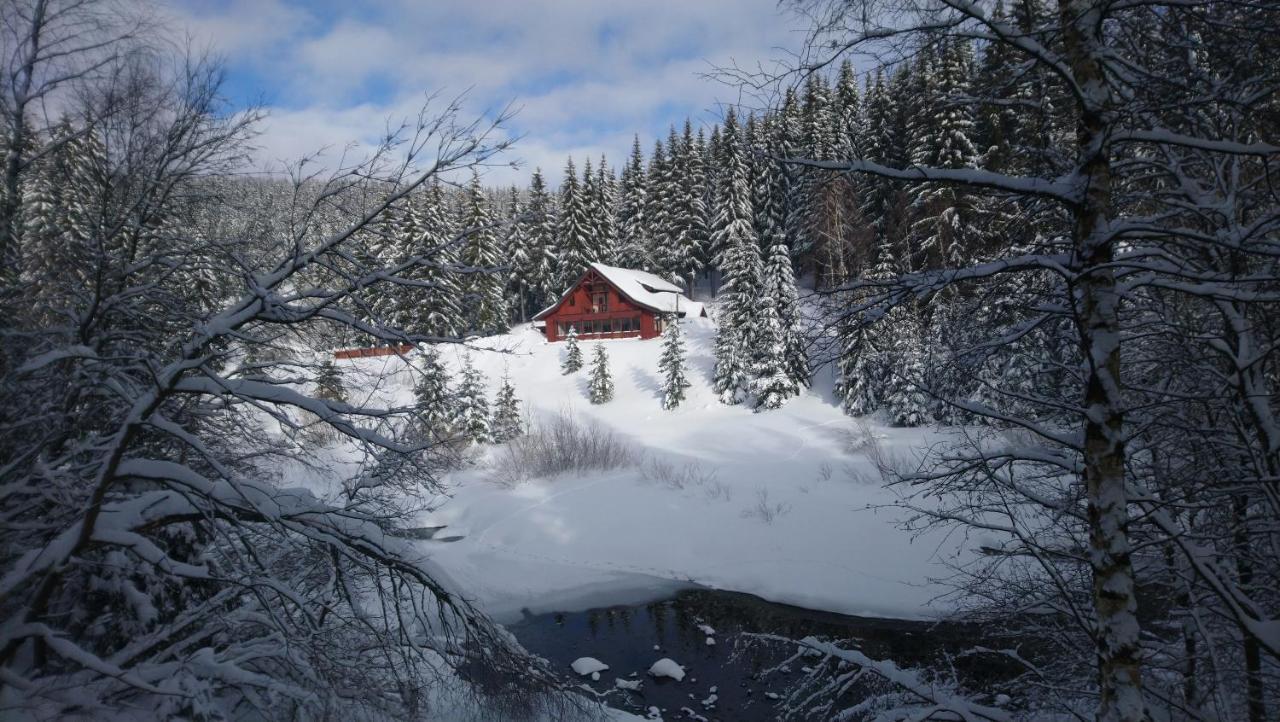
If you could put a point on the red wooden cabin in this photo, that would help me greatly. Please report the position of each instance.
(611, 302)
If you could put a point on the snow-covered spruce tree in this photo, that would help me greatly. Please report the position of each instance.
(864, 363)
(689, 220)
(659, 198)
(506, 413)
(678, 257)
(58, 209)
(779, 285)
(438, 245)
(944, 227)
(739, 261)
(329, 385)
(672, 364)
(485, 300)
(156, 564)
(905, 396)
(434, 402)
(600, 385)
(473, 422)
(605, 214)
(775, 347)
(572, 353)
(542, 243)
(730, 379)
(1136, 204)
(573, 233)
(633, 252)
(518, 256)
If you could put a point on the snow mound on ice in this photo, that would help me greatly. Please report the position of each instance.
(632, 684)
(666, 667)
(588, 665)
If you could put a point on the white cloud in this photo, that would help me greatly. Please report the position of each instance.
(585, 74)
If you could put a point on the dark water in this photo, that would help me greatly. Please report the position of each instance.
(624, 637)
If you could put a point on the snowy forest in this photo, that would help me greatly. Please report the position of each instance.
(1040, 238)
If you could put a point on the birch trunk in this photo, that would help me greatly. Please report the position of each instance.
(1097, 312)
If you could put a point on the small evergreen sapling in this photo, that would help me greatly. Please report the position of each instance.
(730, 380)
(771, 383)
(601, 387)
(435, 403)
(473, 406)
(329, 382)
(506, 413)
(671, 364)
(573, 354)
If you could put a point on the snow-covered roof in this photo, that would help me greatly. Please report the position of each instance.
(644, 289)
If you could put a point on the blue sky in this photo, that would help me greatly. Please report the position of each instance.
(584, 74)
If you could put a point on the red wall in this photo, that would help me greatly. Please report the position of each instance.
(576, 308)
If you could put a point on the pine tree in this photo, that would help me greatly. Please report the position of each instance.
(329, 382)
(904, 394)
(606, 209)
(633, 250)
(672, 364)
(790, 139)
(771, 382)
(473, 406)
(739, 261)
(865, 364)
(689, 216)
(438, 244)
(657, 210)
(816, 120)
(506, 413)
(435, 404)
(730, 380)
(944, 230)
(779, 287)
(573, 234)
(518, 257)
(572, 353)
(601, 383)
(383, 249)
(486, 302)
(543, 283)
(591, 202)
(847, 135)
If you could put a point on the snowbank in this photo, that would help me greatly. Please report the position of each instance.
(775, 504)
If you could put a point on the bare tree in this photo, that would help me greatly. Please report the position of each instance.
(1163, 207)
(168, 540)
(51, 50)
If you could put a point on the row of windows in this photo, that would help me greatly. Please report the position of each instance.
(604, 325)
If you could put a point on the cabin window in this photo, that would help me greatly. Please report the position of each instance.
(599, 302)
(571, 299)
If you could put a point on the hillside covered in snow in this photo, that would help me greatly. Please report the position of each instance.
(785, 504)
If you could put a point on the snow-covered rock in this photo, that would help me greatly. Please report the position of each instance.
(666, 667)
(633, 685)
(588, 665)
(707, 629)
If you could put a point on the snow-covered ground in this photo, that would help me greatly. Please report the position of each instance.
(781, 506)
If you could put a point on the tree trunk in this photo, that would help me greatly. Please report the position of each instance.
(1096, 304)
